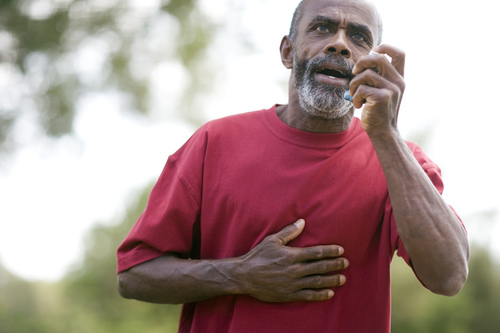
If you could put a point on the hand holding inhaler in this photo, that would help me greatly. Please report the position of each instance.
(347, 95)
(378, 91)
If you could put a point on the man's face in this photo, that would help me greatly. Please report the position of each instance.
(332, 36)
(321, 99)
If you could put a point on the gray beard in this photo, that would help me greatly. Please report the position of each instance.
(319, 100)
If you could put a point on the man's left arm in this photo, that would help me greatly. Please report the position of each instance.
(433, 236)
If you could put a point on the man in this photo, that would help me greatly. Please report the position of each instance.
(286, 220)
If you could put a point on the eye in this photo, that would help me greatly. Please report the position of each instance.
(322, 28)
(359, 36)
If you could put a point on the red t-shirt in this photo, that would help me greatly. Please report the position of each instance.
(243, 177)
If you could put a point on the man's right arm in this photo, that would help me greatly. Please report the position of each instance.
(271, 272)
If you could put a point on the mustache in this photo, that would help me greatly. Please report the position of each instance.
(331, 59)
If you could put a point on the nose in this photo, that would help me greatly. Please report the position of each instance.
(338, 45)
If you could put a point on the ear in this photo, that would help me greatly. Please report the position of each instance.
(286, 50)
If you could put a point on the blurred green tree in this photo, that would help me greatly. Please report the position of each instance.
(415, 310)
(93, 285)
(86, 299)
(54, 52)
(475, 309)
(21, 308)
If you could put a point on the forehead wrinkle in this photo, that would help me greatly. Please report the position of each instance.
(359, 6)
(351, 26)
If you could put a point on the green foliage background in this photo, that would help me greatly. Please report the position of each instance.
(45, 50)
(86, 299)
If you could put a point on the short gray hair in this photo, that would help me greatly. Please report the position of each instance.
(297, 15)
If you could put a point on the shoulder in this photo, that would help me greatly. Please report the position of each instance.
(229, 123)
(220, 130)
(430, 167)
(236, 127)
(421, 156)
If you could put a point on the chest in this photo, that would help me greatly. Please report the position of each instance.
(251, 193)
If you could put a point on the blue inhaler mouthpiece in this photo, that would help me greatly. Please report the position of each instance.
(347, 96)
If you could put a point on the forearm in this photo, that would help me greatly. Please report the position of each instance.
(433, 236)
(170, 280)
(270, 272)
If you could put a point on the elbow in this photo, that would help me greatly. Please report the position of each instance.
(450, 273)
(125, 288)
(451, 285)
(449, 290)
(455, 278)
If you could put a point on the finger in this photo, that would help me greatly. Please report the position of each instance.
(397, 56)
(368, 78)
(288, 233)
(310, 295)
(324, 266)
(377, 64)
(318, 252)
(370, 96)
(322, 281)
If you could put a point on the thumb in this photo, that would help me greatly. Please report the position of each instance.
(290, 232)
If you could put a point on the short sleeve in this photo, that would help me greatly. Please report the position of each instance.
(169, 221)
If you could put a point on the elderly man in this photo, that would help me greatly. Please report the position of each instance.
(287, 219)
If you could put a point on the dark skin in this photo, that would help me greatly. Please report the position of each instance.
(274, 272)
(271, 272)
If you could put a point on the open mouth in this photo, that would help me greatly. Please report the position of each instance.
(334, 73)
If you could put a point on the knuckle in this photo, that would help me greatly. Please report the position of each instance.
(385, 98)
(288, 257)
(280, 239)
(319, 253)
(317, 281)
(402, 85)
(338, 264)
(323, 267)
(271, 239)
(309, 296)
(343, 263)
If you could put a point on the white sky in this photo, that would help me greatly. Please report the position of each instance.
(52, 195)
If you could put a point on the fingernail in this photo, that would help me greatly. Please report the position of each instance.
(346, 263)
(342, 279)
(300, 223)
(330, 293)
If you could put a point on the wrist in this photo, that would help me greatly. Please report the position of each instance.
(230, 271)
(385, 137)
